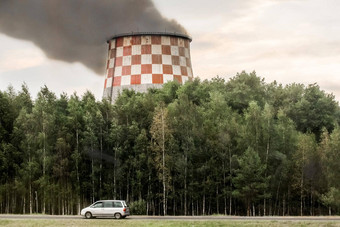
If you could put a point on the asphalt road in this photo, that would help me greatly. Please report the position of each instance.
(189, 218)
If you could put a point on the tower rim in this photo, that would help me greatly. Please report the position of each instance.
(175, 34)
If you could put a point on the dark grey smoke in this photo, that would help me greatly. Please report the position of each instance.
(77, 30)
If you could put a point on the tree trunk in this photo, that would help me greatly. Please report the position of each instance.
(92, 172)
(192, 207)
(36, 202)
(267, 154)
(230, 174)
(301, 196)
(288, 205)
(148, 196)
(203, 205)
(114, 173)
(225, 205)
(101, 162)
(217, 202)
(209, 206)
(30, 188)
(277, 195)
(163, 164)
(224, 186)
(164, 199)
(174, 204)
(311, 201)
(128, 186)
(283, 205)
(254, 212)
(248, 208)
(24, 205)
(77, 170)
(62, 206)
(185, 185)
(44, 171)
(301, 183)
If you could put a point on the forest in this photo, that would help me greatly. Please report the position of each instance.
(236, 147)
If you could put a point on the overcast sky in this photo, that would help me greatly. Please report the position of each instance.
(284, 40)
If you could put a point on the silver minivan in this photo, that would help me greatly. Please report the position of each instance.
(106, 208)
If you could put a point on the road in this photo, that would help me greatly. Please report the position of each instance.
(189, 218)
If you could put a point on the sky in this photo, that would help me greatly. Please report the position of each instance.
(289, 41)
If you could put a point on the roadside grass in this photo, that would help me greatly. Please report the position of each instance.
(163, 223)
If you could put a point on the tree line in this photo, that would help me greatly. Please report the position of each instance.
(236, 147)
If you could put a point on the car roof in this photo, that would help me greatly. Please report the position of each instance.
(111, 200)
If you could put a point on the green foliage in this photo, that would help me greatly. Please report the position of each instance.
(138, 207)
(331, 198)
(244, 88)
(250, 181)
(239, 147)
(315, 110)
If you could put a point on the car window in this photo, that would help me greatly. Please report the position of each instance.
(117, 204)
(98, 205)
(108, 204)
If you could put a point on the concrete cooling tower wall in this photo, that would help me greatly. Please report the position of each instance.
(140, 61)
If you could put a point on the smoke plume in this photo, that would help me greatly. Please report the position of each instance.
(77, 30)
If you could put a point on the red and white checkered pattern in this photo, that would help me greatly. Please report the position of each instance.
(148, 59)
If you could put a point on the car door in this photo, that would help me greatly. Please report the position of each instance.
(97, 209)
(108, 209)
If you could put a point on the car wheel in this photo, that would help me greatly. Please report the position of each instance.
(88, 215)
(118, 215)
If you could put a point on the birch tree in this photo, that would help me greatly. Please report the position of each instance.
(160, 136)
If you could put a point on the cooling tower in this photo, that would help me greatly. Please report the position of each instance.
(140, 61)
